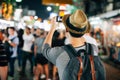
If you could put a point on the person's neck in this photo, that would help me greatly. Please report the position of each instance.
(28, 33)
(11, 34)
(76, 42)
(42, 36)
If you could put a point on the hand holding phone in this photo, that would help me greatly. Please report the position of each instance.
(54, 23)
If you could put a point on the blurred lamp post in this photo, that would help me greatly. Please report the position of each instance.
(18, 0)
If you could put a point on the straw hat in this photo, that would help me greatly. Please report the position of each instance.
(76, 23)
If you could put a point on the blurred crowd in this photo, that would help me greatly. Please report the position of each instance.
(23, 45)
(110, 49)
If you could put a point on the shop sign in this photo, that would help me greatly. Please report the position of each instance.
(5, 23)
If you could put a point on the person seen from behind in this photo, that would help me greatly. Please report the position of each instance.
(83, 67)
(57, 40)
(41, 61)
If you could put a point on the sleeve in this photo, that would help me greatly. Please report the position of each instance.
(16, 41)
(23, 37)
(33, 38)
(35, 42)
(51, 53)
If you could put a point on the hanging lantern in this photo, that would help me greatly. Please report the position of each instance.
(10, 9)
(7, 10)
(4, 9)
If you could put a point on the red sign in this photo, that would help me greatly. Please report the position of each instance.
(57, 2)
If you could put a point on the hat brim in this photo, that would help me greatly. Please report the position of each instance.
(68, 29)
(64, 19)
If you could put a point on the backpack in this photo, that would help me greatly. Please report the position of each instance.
(83, 65)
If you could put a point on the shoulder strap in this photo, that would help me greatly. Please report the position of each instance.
(92, 67)
(80, 68)
(73, 53)
(70, 50)
(13, 38)
(89, 51)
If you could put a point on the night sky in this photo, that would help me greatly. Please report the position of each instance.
(37, 6)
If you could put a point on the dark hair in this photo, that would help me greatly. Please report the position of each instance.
(20, 32)
(11, 28)
(42, 31)
(27, 28)
(56, 34)
(56, 41)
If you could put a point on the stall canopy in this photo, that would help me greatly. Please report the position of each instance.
(46, 2)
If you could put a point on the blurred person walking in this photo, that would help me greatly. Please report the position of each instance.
(112, 51)
(19, 56)
(57, 40)
(41, 61)
(27, 53)
(3, 58)
(13, 43)
(119, 54)
(76, 61)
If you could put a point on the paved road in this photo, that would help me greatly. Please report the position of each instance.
(112, 73)
(17, 75)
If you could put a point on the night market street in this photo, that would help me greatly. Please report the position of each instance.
(112, 73)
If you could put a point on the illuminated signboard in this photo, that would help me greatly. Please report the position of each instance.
(57, 2)
(4, 24)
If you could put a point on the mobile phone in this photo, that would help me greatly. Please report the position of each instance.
(59, 19)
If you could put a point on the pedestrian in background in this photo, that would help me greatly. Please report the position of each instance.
(3, 58)
(27, 53)
(41, 61)
(19, 56)
(57, 41)
(13, 44)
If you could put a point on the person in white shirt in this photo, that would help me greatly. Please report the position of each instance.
(28, 39)
(89, 39)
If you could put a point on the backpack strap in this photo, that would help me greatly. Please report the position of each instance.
(73, 53)
(80, 68)
(13, 38)
(92, 67)
(70, 50)
(89, 51)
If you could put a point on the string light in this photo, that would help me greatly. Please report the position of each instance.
(49, 8)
